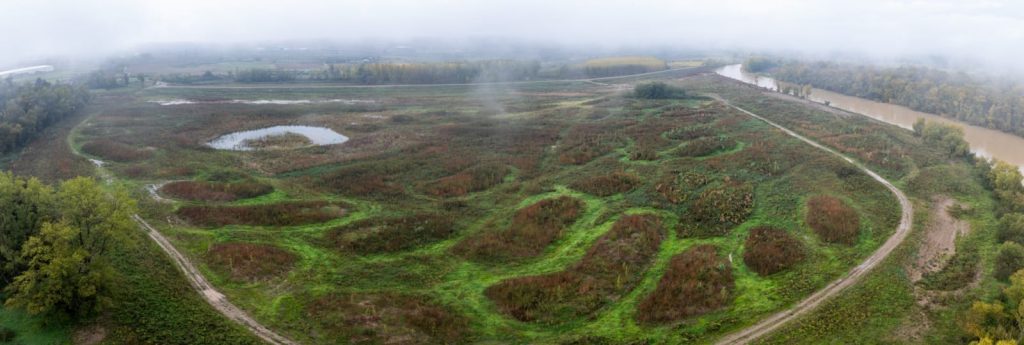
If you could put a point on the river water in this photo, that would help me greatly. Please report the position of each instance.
(984, 142)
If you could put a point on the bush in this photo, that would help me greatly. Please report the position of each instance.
(115, 151)
(362, 181)
(657, 90)
(1011, 228)
(719, 208)
(389, 235)
(249, 261)
(214, 191)
(769, 250)
(605, 185)
(705, 146)
(585, 142)
(1009, 260)
(280, 214)
(696, 282)
(610, 269)
(533, 228)
(471, 180)
(833, 220)
(7, 334)
(385, 318)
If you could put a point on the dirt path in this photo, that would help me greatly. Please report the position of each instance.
(855, 275)
(939, 243)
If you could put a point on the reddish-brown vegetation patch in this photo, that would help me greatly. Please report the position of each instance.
(585, 142)
(833, 220)
(719, 208)
(214, 191)
(280, 214)
(605, 185)
(362, 181)
(610, 269)
(696, 282)
(386, 318)
(115, 151)
(769, 250)
(470, 180)
(705, 146)
(392, 234)
(533, 228)
(249, 261)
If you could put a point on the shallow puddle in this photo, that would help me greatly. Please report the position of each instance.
(319, 136)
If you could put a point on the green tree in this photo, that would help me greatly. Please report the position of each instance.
(68, 269)
(1010, 259)
(919, 126)
(25, 205)
(1011, 228)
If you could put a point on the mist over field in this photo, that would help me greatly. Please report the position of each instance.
(945, 31)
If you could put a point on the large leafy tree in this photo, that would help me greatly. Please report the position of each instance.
(25, 204)
(68, 269)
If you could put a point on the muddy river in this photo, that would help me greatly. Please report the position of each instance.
(985, 142)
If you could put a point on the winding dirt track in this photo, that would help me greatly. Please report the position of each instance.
(855, 275)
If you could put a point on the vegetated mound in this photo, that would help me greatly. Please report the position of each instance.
(533, 228)
(657, 90)
(677, 187)
(705, 146)
(769, 250)
(587, 141)
(215, 191)
(623, 65)
(362, 181)
(696, 282)
(391, 234)
(279, 214)
(115, 151)
(250, 261)
(689, 132)
(287, 140)
(474, 179)
(833, 220)
(610, 269)
(605, 185)
(385, 318)
(718, 209)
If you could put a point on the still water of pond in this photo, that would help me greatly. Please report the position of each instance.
(237, 141)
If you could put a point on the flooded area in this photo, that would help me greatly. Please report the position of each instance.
(984, 142)
(262, 101)
(318, 136)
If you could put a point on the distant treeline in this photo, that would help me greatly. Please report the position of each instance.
(616, 66)
(982, 102)
(25, 110)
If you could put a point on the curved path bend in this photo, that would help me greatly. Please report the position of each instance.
(777, 320)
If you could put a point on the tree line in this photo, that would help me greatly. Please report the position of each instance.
(25, 110)
(979, 101)
(430, 73)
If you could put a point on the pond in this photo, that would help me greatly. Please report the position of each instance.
(239, 141)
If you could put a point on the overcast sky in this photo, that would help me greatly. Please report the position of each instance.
(989, 31)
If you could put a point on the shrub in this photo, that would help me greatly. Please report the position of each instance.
(833, 220)
(286, 140)
(471, 180)
(214, 191)
(533, 228)
(249, 261)
(689, 133)
(1009, 259)
(657, 90)
(115, 151)
(719, 208)
(386, 318)
(280, 214)
(696, 282)
(769, 250)
(362, 181)
(705, 146)
(1011, 228)
(392, 234)
(610, 269)
(7, 334)
(585, 142)
(605, 185)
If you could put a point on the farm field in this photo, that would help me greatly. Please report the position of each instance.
(553, 212)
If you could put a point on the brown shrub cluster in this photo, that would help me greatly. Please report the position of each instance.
(362, 181)
(696, 282)
(719, 208)
(689, 133)
(279, 214)
(115, 151)
(585, 142)
(249, 261)
(605, 185)
(610, 269)
(470, 180)
(386, 318)
(533, 228)
(214, 191)
(391, 234)
(769, 250)
(833, 220)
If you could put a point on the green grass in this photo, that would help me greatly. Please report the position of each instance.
(34, 330)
